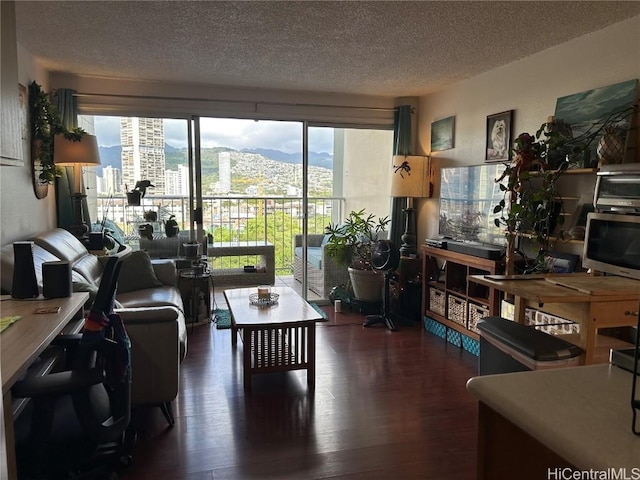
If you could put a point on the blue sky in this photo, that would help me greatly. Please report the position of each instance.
(233, 133)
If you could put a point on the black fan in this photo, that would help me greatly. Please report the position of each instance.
(385, 257)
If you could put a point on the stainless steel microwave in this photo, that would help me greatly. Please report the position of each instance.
(612, 244)
(618, 188)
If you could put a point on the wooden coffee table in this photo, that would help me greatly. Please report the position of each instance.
(276, 338)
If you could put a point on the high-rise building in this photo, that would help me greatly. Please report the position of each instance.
(142, 141)
(224, 172)
(111, 180)
(177, 181)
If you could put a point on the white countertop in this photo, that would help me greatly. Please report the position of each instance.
(582, 413)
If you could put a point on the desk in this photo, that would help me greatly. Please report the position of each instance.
(276, 338)
(23, 342)
(591, 301)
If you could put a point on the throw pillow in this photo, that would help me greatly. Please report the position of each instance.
(137, 273)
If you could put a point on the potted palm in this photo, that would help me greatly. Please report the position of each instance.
(350, 244)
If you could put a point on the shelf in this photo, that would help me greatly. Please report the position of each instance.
(571, 171)
(479, 300)
(452, 325)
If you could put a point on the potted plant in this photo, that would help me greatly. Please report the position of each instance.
(45, 125)
(532, 205)
(350, 244)
(137, 194)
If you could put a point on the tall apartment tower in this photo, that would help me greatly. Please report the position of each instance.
(224, 172)
(111, 180)
(142, 141)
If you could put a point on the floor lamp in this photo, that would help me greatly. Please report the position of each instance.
(410, 179)
(77, 154)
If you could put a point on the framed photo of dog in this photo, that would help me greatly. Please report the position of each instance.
(499, 137)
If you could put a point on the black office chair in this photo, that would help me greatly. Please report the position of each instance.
(81, 415)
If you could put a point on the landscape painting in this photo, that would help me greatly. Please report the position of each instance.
(586, 111)
(442, 134)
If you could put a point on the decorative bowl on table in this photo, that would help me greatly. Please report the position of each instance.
(262, 301)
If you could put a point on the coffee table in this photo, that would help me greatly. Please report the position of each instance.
(276, 338)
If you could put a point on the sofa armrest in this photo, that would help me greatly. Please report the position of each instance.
(166, 271)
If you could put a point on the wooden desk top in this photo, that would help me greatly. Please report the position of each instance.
(291, 308)
(563, 288)
(23, 341)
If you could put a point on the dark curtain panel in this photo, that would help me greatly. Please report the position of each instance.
(67, 105)
(401, 146)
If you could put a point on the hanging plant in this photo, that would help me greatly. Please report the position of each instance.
(45, 125)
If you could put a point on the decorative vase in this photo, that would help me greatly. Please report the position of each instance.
(24, 283)
(610, 149)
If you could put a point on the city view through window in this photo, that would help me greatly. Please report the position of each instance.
(252, 179)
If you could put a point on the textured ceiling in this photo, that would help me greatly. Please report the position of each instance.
(378, 48)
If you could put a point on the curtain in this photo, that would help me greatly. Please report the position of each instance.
(67, 105)
(401, 146)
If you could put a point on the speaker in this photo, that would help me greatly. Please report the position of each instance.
(24, 284)
(96, 240)
(56, 279)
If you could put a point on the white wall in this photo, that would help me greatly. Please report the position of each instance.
(21, 213)
(530, 87)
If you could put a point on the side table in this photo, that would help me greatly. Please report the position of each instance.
(196, 290)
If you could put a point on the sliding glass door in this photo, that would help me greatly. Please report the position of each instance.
(252, 186)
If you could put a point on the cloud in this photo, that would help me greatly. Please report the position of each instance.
(229, 132)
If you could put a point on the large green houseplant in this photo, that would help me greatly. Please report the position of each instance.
(350, 244)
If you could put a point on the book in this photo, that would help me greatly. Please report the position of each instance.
(53, 309)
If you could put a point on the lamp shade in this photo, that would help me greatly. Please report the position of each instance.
(410, 176)
(82, 152)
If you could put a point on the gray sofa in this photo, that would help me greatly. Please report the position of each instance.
(147, 300)
(323, 273)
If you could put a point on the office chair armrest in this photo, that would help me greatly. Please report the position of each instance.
(57, 384)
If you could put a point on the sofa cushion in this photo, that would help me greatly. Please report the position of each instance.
(314, 256)
(62, 244)
(90, 268)
(137, 273)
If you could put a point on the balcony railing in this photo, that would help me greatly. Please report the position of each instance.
(227, 219)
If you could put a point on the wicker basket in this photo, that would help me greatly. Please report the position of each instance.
(457, 309)
(437, 301)
(476, 313)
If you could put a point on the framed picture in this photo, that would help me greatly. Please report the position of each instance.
(560, 262)
(442, 134)
(586, 111)
(499, 137)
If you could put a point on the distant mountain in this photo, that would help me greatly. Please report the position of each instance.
(316, 159)
(111, 156)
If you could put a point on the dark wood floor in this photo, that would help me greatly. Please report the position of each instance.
(387, 405)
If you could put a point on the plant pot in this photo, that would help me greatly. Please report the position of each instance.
(367, 284)
(133, 198)
(191, 250)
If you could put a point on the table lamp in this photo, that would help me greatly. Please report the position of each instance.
(76, 154)
(410, 178)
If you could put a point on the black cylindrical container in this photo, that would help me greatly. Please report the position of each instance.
(56, 279)
(24, 283)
